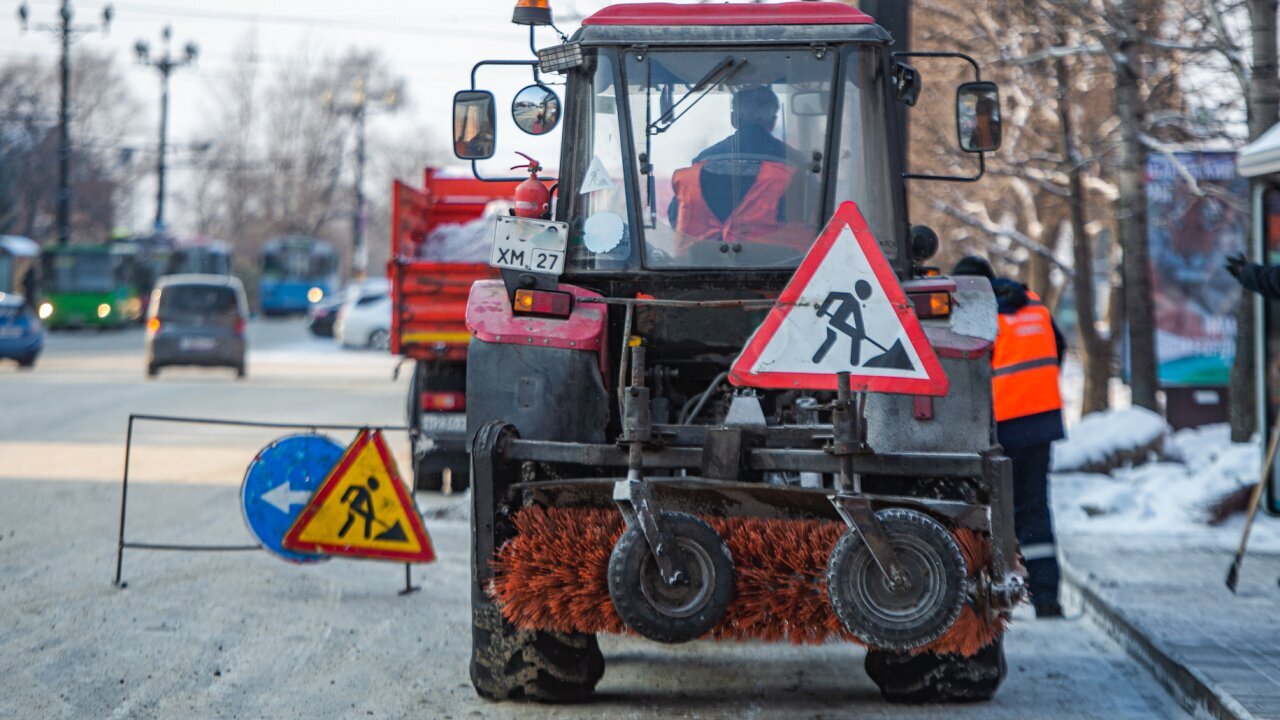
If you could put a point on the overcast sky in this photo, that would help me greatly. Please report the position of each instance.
(431, 43)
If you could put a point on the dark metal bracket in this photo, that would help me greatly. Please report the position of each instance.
(635, 497)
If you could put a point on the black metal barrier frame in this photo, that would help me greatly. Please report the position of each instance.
(121, 543)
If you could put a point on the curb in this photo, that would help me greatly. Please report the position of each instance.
(1188, 686)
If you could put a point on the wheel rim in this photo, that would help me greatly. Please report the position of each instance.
(684, 599)
(904, 606)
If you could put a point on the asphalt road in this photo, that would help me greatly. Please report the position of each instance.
(247, 636)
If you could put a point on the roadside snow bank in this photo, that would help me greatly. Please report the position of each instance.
(1110, 439)
(1164, 501)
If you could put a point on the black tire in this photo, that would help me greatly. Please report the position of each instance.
(662, 613)
(537, 665)
(153, 370)
(427, 480)
(930, 678)
(459, 479)
(241, 373)
(380, 339)
(27, 362)
(898, 618)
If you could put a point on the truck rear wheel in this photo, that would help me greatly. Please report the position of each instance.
(543, 666)
(930, 678)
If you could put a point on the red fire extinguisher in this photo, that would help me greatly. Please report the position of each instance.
(533, 200)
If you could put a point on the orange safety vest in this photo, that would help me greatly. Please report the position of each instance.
(1024, 364)
(755, 220)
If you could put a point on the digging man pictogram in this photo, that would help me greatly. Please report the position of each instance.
(847, 318)
(359, 502)
(839, 319)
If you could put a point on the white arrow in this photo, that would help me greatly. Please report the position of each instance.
(283, 497)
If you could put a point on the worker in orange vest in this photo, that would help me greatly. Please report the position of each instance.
(1028, 411)
(736, 190)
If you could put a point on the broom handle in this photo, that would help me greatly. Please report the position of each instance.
(1257, 490)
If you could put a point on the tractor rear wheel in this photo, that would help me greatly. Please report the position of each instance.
(930, 678)
(539, 665)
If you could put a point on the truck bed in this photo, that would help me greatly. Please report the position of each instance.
(430, 297)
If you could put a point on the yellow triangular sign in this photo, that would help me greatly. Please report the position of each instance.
(362, 509)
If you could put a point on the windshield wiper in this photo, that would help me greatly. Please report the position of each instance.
(718, 75)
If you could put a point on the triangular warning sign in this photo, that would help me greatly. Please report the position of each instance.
(843, 311)
(362, 509)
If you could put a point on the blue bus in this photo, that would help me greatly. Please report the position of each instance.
(297, 272)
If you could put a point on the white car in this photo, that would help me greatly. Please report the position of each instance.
(364, 320)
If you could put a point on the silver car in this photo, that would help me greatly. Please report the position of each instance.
(197, 320)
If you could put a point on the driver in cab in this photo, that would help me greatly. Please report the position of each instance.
(736, 190)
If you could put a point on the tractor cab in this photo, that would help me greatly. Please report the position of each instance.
(705, 146)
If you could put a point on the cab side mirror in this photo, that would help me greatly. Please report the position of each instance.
(978, 117)
(906, 83)
(536, 109)
(475, 123)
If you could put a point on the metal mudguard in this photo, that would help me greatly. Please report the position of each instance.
(961, 421)
(547, 393)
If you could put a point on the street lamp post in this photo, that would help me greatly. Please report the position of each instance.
(165, 64)
(66, 33)
(357, 106)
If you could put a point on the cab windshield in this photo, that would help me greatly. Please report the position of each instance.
(729, 156)
(731, 147)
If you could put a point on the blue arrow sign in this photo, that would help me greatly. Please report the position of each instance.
(279, 483)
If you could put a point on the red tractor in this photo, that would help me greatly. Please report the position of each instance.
(625, 476)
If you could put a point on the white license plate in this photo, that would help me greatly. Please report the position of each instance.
(532, 245)
(435, 423)
(196, 344)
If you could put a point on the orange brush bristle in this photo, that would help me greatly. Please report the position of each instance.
(553, 575)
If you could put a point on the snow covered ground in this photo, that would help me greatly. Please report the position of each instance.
(1157, 503)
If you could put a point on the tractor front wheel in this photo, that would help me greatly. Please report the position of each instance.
(543, 666)
(929, 678)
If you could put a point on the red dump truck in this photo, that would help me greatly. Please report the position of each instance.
(438, 249)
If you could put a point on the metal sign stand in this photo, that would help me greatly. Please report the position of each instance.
(122, 543)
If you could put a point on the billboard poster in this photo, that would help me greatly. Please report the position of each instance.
(1191, 228)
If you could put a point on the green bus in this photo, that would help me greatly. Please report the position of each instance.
(90, 286)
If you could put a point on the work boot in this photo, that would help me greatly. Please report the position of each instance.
(1048, 609)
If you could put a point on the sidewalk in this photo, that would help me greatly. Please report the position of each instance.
(1217, 653)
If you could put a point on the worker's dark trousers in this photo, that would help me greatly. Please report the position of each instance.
(1033, 521)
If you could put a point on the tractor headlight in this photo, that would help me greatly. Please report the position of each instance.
(104, 310)
(46, 309)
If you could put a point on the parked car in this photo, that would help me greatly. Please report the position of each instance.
(365, 320)
(322, 315)
(21, 333)
(197, 320)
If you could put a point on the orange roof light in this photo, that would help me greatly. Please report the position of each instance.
(532, 12)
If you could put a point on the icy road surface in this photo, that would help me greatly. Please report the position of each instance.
(245, 635)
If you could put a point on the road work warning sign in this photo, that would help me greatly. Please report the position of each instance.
(363, 509)
(843, 311)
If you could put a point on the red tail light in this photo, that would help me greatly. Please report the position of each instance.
(543, 302)
(444, 401)
(240, 326)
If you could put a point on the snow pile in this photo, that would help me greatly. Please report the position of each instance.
(464, 242)
(1105, 440)
(1165, 501)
